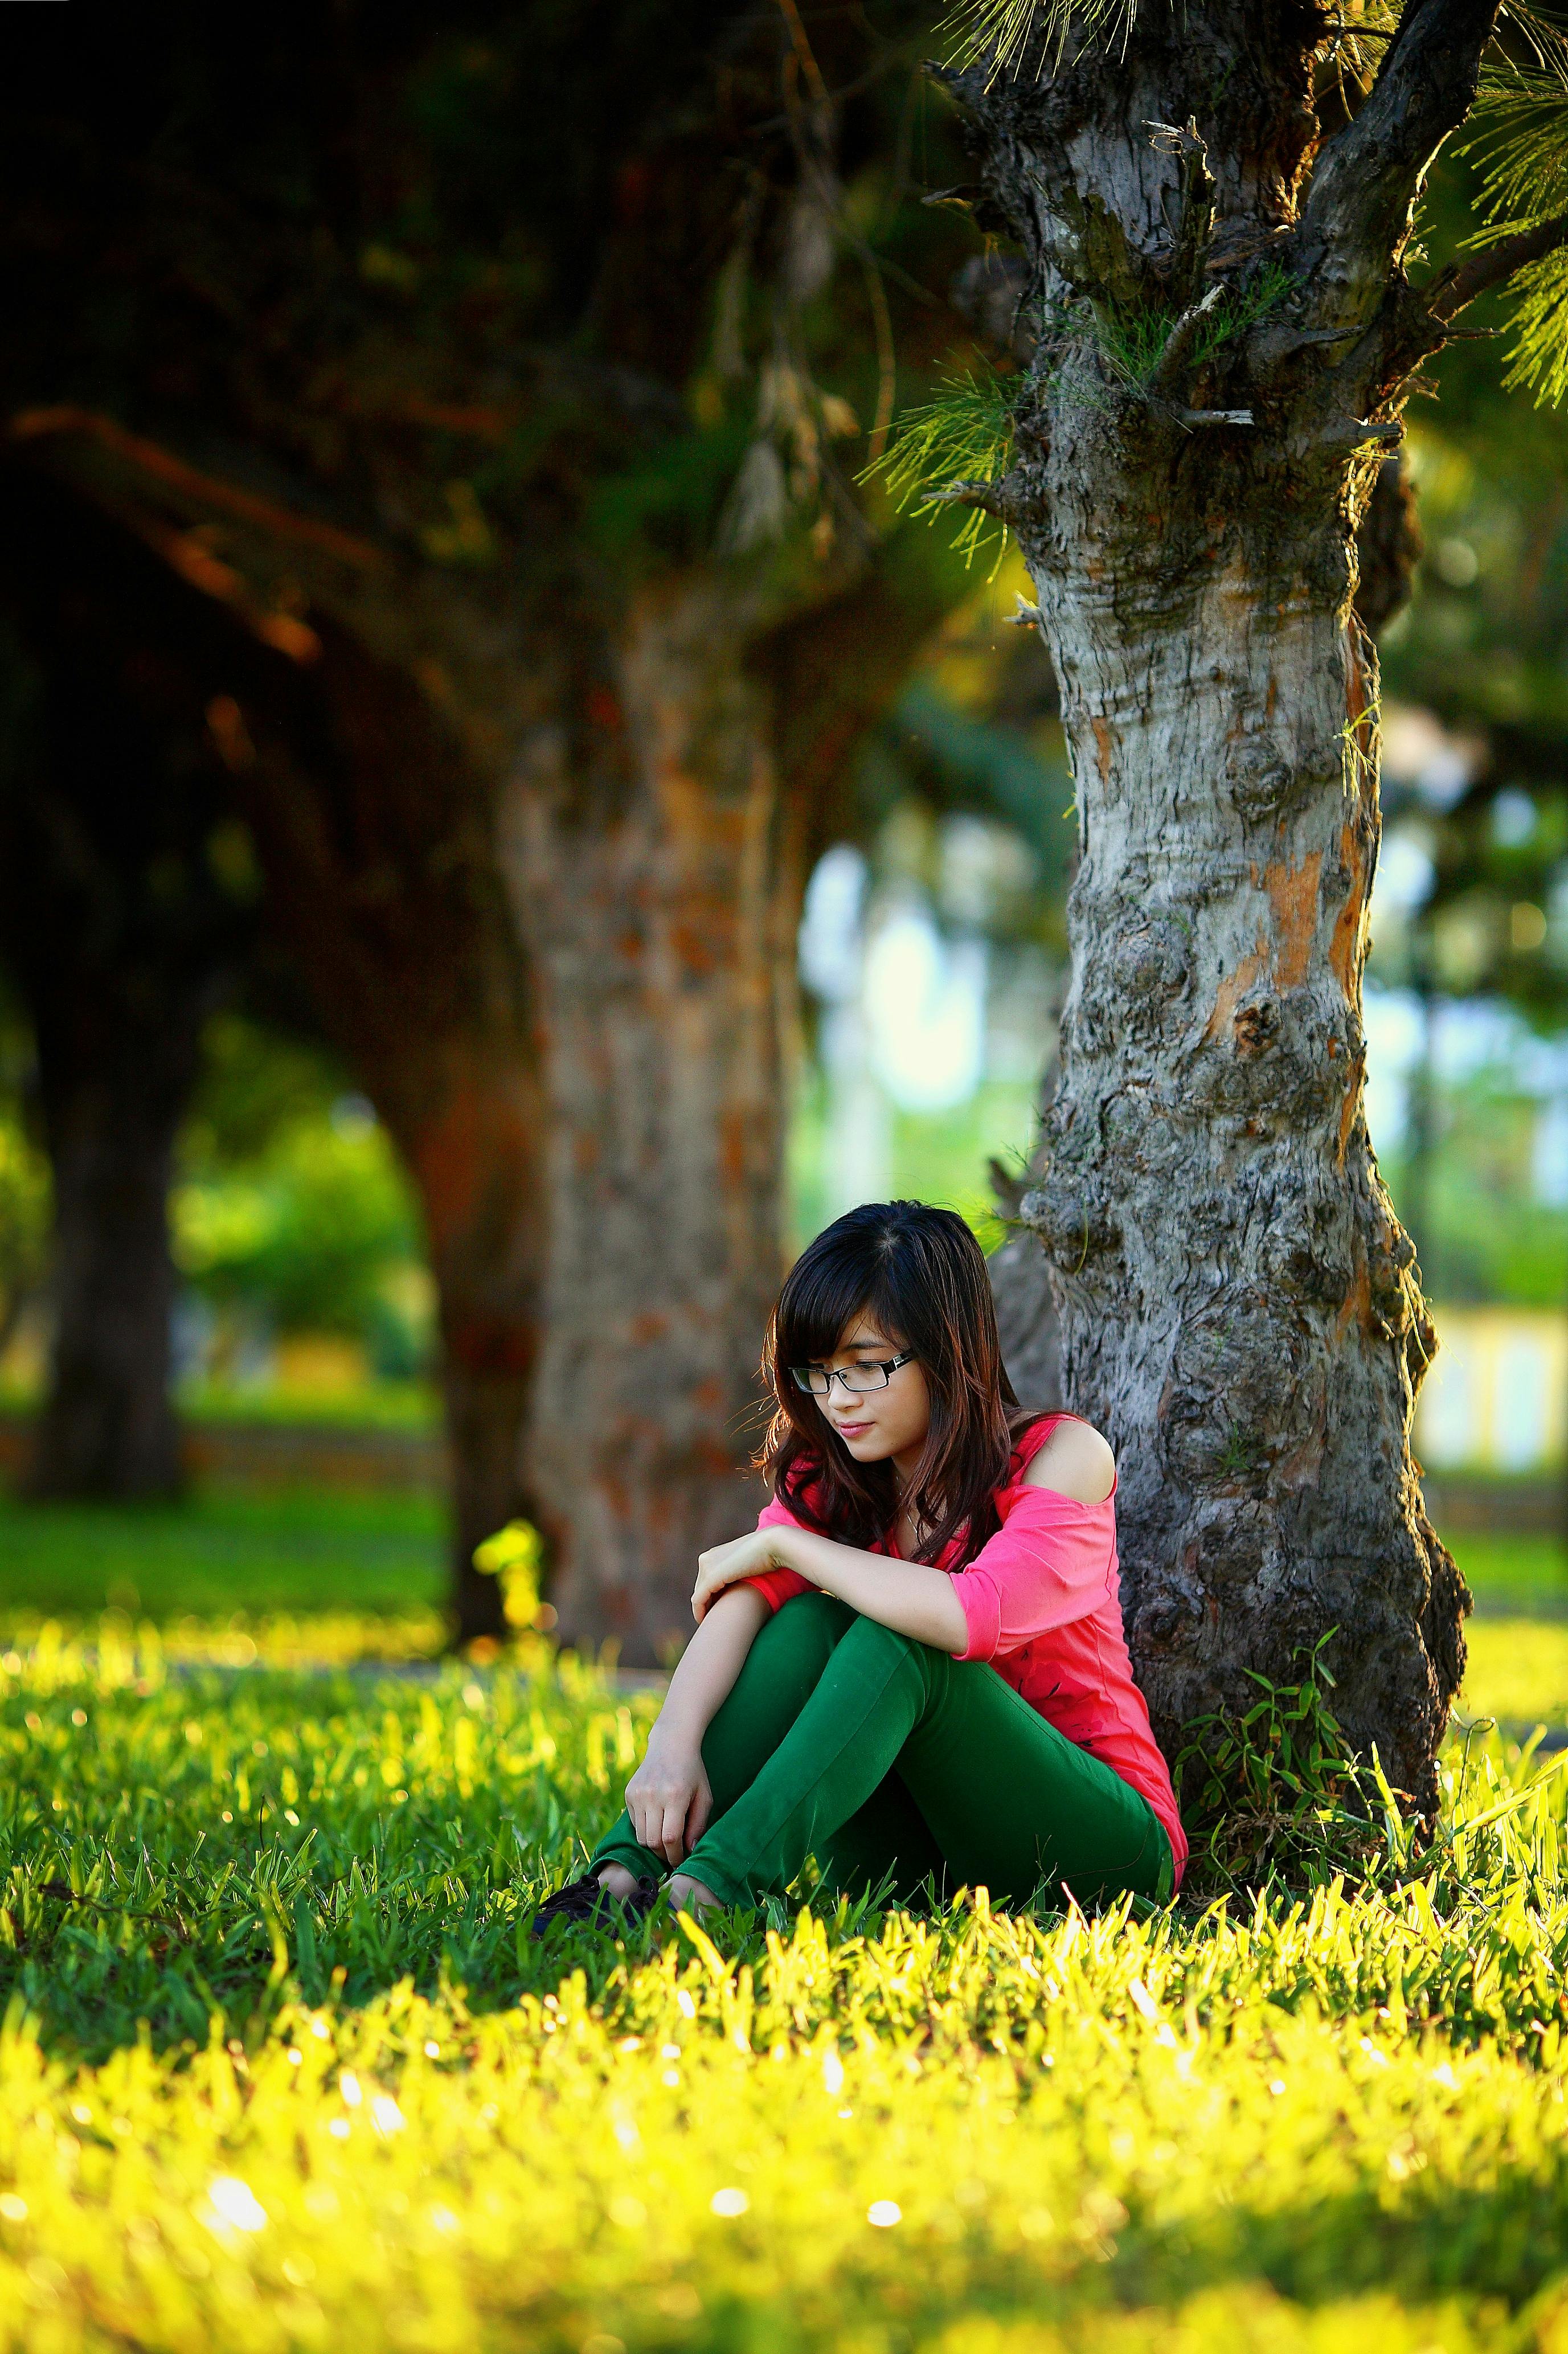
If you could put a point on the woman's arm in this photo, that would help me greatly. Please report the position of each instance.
(668, 1798)
(904, 1595)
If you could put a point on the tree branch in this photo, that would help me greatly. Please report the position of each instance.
(1460, 284)
(1359, 206)
(989, 497)
(203, 490)
(1352, 433)
(1167, 371)
(1190, 417)
(186, 555)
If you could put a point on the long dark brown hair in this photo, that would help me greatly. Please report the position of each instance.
(921, 1275)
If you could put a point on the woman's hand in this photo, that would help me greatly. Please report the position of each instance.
(727, 1564)
(669, 1798)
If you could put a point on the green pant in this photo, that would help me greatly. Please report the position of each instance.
(877, 1754)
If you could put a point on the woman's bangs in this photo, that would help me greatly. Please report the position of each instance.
(813, 1312)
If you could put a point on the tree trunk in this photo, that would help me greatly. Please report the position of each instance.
(658, 830)
(375, 816)
(1238, 1306)
(545, 896)
(122, 937)
(114, 1087)
(660, 902)
(541, 870)
(542, 866)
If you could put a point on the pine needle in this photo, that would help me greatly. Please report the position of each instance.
(1133, 342)
(965, 434)
(1519, 142)
(999, 33)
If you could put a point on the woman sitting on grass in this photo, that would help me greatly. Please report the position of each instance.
(913, 1667)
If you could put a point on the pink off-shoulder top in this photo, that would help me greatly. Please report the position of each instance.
(1042, 1605)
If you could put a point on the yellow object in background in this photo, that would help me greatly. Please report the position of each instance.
(320, 1361)
(1496, 1394)
(516, 1555)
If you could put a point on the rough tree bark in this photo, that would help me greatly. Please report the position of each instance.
(1388, 547)
(1224, 310)
(657, 903)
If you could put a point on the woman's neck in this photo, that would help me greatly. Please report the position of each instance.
(908, 1527)
(905, 1466)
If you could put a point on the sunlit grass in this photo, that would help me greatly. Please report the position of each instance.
(1517, 1671)
(282, 2063)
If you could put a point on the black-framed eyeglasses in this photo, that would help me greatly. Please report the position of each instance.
(820, 1379)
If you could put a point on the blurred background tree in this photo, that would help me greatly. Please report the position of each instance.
(473, 472)
(26, 1207)
(125, 920)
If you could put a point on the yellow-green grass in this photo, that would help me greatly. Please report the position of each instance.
(1517, 1672)
(283, 2067)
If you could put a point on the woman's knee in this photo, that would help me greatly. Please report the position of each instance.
(870, 1639)
(805, 1629)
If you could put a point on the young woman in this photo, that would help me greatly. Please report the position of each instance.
(913, 1667)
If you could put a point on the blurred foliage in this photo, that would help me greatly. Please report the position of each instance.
(308, 1238)
(937, 1156)
(1486, 1236)
(591, 338)
(257, 1080)
(962, 803)
(1474, 903)
(388, 1404)
(292, 1210)
(25, 1213)
(1483, 645)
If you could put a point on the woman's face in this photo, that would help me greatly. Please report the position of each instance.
(876, 1424)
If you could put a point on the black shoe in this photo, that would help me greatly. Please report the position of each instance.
(586, 1905)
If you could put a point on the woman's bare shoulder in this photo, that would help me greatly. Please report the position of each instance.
(1075, 1461)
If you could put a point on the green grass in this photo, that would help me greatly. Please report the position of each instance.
(282, 2063)
(375, 1405)
(393, 1405)
(226, 1550)
(1518, 1573)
